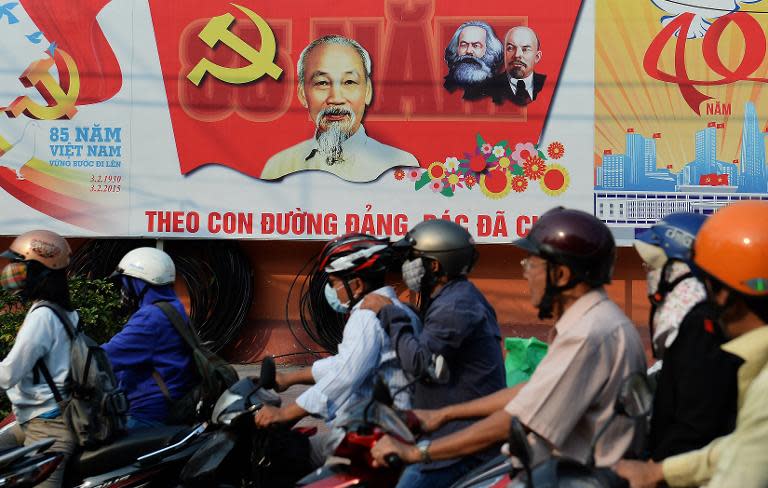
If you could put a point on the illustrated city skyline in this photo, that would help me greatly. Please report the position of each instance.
(636, 169)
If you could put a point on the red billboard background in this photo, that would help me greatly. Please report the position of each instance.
(241, 126)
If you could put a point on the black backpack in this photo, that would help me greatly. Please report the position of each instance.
(216, 375)
(97, 409)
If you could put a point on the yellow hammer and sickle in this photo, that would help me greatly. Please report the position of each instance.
(61, 104)
(262, 62)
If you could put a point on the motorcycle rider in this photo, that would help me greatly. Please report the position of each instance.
(150, 359)
(696, 393)
(37, 272)
(459, 324)
(731, 255)
(571, 394)
(356, 265)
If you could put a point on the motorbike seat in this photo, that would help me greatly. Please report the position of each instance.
(125, 450)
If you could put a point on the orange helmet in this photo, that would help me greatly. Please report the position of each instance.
(46, 247)
(732, 247)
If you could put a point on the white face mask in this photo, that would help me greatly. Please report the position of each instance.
(332, 297)
(413, 273)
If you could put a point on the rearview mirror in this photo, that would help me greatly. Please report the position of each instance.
(635, 397)
(520, 448)
(267, 376)
(634, 400)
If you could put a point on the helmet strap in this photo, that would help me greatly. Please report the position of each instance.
(133, 298)
(552, 291)
(353, 300)
(712, 285)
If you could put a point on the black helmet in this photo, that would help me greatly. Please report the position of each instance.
(356, 255)
(576, 239)
(444, 241)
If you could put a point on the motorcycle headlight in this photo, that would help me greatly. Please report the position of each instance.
(226, 400)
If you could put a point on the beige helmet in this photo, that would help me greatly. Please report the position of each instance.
(46, 247)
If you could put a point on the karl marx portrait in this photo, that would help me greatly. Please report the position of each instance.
(473, 55)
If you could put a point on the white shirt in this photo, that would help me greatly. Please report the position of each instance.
(364, 159)
(365, 352)
(41, 335)
(528, 80)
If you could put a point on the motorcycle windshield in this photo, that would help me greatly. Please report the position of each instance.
(364, 414)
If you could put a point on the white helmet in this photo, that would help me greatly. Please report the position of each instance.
(148, 264)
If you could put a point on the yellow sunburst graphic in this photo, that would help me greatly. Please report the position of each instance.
(555, 180)
(496, 184)
(629, 100)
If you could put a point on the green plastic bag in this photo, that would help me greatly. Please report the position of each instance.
(523, 355)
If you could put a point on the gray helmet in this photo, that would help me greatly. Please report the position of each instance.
(444, 241)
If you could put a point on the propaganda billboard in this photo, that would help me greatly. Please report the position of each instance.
(293, 120)
(680, 108)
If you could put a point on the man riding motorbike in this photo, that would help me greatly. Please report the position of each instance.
(730, 254)
(150, 359)
(695, 399)
(37, 272)
(356, 265)
(459, 324)
(571, 394)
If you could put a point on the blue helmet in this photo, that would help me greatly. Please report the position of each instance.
(675, 234)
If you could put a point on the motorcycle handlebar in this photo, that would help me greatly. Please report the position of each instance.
(394, 461)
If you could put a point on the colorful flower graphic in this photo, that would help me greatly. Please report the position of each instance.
(475, 163)
(555, 150)
(523, 151)
(496, 184)
(534, 167)
(414, 174)
(495, 167)
(436, 170)
(555, 180)
(519, 184)
(453, 180)
(452, 163)
(503, 164)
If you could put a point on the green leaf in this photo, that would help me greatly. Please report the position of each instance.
(423, 181)
(480, 140)
(542, 155)
(504, 144)
(517, 170)
(447, 192)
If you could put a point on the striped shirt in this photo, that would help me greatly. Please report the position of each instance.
(364, 353)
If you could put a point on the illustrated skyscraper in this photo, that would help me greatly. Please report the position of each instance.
(753, 173)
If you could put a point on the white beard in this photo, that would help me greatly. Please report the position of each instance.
(330, 141)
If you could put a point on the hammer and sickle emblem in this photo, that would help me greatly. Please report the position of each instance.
(262, 62)
(61, 97)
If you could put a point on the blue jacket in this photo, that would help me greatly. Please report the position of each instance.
(461, 325)
(148, 342)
